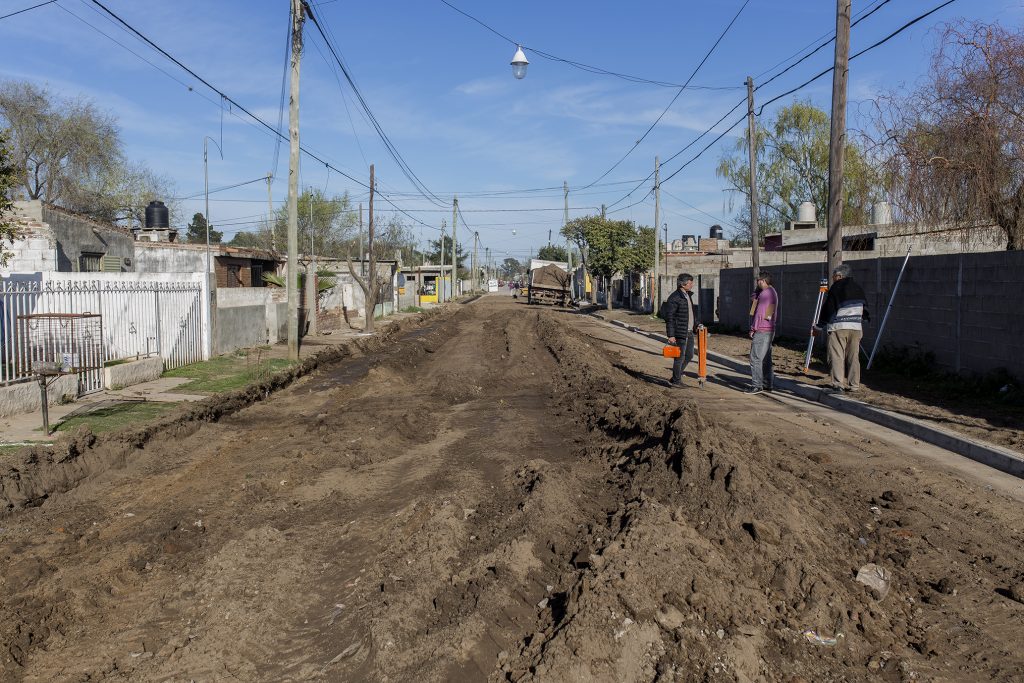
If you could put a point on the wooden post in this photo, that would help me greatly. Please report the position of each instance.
(293, 184)
(837, 141)
(755, 228)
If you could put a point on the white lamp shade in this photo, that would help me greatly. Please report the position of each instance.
(519, 63)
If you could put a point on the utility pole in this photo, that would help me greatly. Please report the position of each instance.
(440, 281)
(656, 289)
(311, 275)
(455, 259)
(602, 211)
(271, 223)
(666, 247)
(362, 272)
(293, 184)
(568, 247)
(755, 229)
(476, 273)
(837, 141)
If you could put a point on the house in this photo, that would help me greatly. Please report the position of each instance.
(53, 239)
(233, 266)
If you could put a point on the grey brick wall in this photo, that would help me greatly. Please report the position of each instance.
(963, 308)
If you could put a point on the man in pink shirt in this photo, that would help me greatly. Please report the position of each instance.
(764, 305)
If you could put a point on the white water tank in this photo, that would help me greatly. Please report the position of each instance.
(881, 213)
(806, 213)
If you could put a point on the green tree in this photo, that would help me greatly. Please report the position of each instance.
(68, 152)
(511, 268)
(610, 246)
(327, 225)
(553, 252)
(8, 231)
(197, 231)
(250, 240)
(792, 168)
(434, 248)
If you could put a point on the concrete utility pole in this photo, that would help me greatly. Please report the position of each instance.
(666, 246)
(837, 142)
(656, 289)
(311, 275)
(755, 228)
(440, 280)
(293, 184)
(455, 259)
(568, 246)
(271, 223)
(602, 211)
(362, 272)
(476, 272)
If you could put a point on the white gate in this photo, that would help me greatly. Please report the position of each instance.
(139, 319)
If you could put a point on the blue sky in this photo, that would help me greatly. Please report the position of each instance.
(442, 89)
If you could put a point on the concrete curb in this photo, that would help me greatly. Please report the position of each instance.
(994, 456)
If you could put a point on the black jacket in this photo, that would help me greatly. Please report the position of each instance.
(846, 297)
(677, 315)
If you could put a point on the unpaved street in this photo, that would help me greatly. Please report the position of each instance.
(506, 493)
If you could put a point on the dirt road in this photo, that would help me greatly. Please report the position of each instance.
(506, 493)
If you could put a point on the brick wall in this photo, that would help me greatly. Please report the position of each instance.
(963, 308)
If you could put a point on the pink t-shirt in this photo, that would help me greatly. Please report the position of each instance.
(765, 298)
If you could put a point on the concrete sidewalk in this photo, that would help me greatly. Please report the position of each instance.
(992, 455)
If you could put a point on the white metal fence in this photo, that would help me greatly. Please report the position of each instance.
(138, 319)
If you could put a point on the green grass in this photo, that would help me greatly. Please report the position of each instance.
(116, 417)
(224, 373)
(412, 309)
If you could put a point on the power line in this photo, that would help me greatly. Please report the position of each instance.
(27, 9)
(874, 45)
(580, 65)
(221, 93)
(707, 56)
(261, 179)
(392, 150)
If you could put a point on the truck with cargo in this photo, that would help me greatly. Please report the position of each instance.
(549, 283)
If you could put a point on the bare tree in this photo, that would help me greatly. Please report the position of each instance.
(8, 228)
(954, 148)
(371, 284)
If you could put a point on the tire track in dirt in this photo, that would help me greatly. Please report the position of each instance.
(494, 499)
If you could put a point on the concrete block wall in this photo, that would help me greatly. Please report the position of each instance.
(959, 307)
(26, 396)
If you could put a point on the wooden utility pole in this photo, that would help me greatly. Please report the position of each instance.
(602, 211)
(755, 228)
(372, 288)
(293, 185)
(455, 259)
(837, 142)
(656, 289)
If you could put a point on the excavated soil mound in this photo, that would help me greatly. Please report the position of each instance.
(489, 497)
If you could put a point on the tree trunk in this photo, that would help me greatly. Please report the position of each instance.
(607, 292)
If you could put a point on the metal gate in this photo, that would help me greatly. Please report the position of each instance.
(138, 319)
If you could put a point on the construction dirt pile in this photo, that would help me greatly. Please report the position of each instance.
(489, 496)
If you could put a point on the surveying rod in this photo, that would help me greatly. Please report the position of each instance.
(822, 290)
(702, 355)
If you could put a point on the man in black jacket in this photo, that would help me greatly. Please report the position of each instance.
(842, 315)
(680, 314)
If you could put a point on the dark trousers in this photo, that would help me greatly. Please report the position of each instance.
(685, 356)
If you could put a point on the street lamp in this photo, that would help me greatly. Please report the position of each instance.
(519, 63)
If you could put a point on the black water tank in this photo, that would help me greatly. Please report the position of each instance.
(157, 216)
(716, 232)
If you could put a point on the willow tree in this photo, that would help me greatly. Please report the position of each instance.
(792, 168)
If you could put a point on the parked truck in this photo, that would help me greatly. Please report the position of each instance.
(549, 283)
